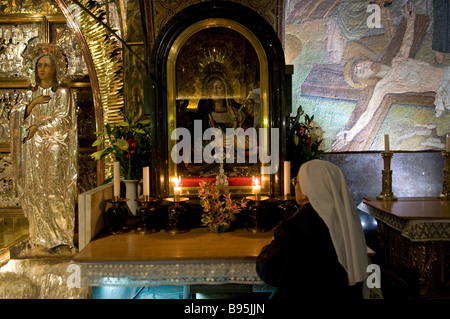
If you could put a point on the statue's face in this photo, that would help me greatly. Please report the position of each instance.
(45, 68)
(218, 90)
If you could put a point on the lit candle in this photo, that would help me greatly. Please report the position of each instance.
(177, 188)
(386, 143)
(256, 188)
(145, 175)
(116, 179)
(447, 148)
(287, 178)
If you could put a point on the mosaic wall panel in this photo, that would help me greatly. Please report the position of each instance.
(325, 40)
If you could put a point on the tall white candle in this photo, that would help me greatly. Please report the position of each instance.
(256, 188)
(146, 180)
(447, 147)
(287, 178)
(116, 179)
(386, 143)
(177, 188)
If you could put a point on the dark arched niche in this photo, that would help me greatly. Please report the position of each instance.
(160, 92)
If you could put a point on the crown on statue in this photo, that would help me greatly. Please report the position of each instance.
(218, 62)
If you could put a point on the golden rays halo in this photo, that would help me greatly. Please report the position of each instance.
(220, 61)
(193, 74)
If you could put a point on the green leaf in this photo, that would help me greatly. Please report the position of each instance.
(122, 144)
(130, 116)
(108, 129)
(123, 124)
(297, 118)
(145, 122)
(98, 155)
(307, 119)
(98, 142)
(106, 181)
(296, 139)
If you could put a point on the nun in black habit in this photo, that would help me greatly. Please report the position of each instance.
(320, 252)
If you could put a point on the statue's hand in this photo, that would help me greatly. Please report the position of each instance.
(31, 131)
(41, 99)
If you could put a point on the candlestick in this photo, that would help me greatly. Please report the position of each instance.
(176, 215)
(386, 143)
(257, 212)
(177, 188)
(447, 148)
(386, 192)
(446, 171)
(145, 176)
(287, 178)
(147, 214)
(117, 215)
(116, 179)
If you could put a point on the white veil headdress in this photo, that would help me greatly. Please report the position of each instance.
(325, 186)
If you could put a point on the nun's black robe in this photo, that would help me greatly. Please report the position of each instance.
(301, 261)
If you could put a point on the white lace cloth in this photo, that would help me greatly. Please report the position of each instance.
(169, 273)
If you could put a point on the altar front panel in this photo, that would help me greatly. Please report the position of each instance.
(196, 257)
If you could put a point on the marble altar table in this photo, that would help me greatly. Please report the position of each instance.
(198, 257)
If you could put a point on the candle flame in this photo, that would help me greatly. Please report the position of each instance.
(177, 181)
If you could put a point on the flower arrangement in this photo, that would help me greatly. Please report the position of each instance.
(304, 140)
(129, 143)
(219, 209)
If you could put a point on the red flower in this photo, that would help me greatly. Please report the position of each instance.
(307, 141)
(132, 145)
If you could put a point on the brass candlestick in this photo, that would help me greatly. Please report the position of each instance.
(386, 192)
(446, 171)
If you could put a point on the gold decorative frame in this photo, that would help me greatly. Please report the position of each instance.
(172, 92)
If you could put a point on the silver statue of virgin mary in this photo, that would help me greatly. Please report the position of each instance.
(44, 146)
